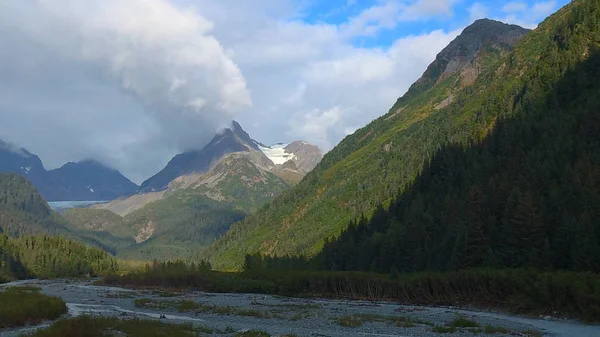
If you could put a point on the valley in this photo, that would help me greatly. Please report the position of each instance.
(233, 314)
(469, 208)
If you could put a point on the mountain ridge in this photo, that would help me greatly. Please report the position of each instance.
(230, 140)
(87, 180)
(368, 168)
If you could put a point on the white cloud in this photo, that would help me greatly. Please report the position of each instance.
(134, 82)
(428, 8)
(515, 6)
(478, 11)
(316, 124)
(79, 75)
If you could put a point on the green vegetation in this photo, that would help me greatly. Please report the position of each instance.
(25, 305)
(187, 306)
(191, 215)
(104, 327)
(525, 196)
(23, 210)
(463, 322)
(503, 176)
(573, 294)
(51, 257)
(366, 169)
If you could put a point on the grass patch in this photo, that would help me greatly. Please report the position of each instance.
(103, 326)
(359, 319)
(24, 305)
(26, 288)
(463, 322)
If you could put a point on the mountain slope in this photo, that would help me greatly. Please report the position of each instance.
(233, 139)
(89, 180)
(198, 209)
(23, 210)
(526, 195)
(83, 181)
(194, 211)
(377, 162)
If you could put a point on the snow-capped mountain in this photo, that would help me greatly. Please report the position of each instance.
(234, 139)
(304, 155)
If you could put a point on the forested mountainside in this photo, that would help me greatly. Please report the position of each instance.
(46, 257)
(537, 99)
(23, 211)
(527, 194)
(192, 213)
(372, 165)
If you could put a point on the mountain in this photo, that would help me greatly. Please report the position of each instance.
(304, 156)
(89, 180)
(231, 140)
(20, 161)
(525, 194)
(84, 181)
(22, 208)
(23, 211)
(372, 166)
(191, 213)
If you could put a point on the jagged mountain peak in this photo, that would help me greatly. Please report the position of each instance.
(230, 140)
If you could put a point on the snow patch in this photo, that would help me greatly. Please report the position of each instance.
(277, 153)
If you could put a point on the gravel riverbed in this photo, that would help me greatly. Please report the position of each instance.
(234, 313)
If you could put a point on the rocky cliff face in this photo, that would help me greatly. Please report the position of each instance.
(306, 156)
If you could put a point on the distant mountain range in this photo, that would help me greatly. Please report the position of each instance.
(199, 194)
(181, 209)
(90, 180)
(85, 180)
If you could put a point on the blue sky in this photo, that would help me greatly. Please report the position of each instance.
(447, 15)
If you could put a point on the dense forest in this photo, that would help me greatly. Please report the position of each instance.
(523, 195)
(22, 209)
(50, 257)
